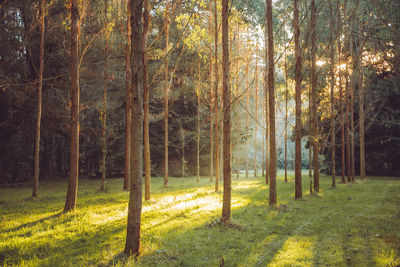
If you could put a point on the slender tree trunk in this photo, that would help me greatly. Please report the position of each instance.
(128, 101)
(271, 98)
(132, 245)
(347, 127)
(147, 162)
(198, 124)
(339, 28)
(39, 104)
(298, 186)
(72, 192)
(263, 137)
(361, 126)
(310, 142)
(332, 85)
(286, 115)
(237, 104)
(211, 101)
(166, 89)
(314, 84)
(266, 97)
(216, 81)
(246, 73)
(226, 206)
(255, 113)
(104, 113)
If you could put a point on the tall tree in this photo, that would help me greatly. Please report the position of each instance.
(104, 108)
(237, 102)
(72, 191)
(246, 74)
(147, 162)
(226, 206)
(314, 84)
(332, 91)
(271, 99)
(286, 116)
(361, 106)
(216, 99)
(297, 177)
(198, 123)
(132, 245)
(211, 98)
(255, 113)
(39, 104)
(128, 102)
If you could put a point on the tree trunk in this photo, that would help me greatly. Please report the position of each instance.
(298, 186)
(255, 114)
(147, 162)
(314, 84)
(226, 206)
(198, 125)
(72, 192)
(271, 99)
(286, 115)
(166, 88)
(339, 28)
(104, 111)
(246, 73)
(211, 101)
(347, 127)
(332, 85)
(263, 138)
(216, 81)
(310, 142)
(128, 101)
(132, 245)
(237, 104)
(39, 104)
(361, 125)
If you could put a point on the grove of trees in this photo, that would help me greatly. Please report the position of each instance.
(144, 89)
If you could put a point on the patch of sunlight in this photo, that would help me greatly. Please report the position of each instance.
(103, 218)
(258, 251)
(387, 258)
(206, 203)
(245, 185)
(168, 200)
(296, 251)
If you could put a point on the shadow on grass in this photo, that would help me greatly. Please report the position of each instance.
(31, 224)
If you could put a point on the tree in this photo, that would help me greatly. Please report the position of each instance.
(255, 113)
(226, 206)
(39, 104)
(246, 73)
(104, 111)
(211, 99)
(314, 81)
(286, 115)
(147, 162)
(128, 102)
(332, 93)
(132, 245)
(297, 178)
(271, 99)
(216, 81)
(72, 192)
(198, 124)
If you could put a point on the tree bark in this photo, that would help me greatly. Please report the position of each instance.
(211, 101)
(216, 81)
(286, 115)
(226, 206)
(246, 74)
(255, 113)
(128, 102)
(147, 162)
(198, 124)
(314, 84)
(271, 99)
(72, 192)
(237, 104)
(104, 111)
(298, 185)
(166, 89)
(332, 87)
(39, 104)
(132, 245)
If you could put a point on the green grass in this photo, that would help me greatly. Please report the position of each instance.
(354, 224)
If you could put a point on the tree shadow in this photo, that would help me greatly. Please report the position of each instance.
(31, 224)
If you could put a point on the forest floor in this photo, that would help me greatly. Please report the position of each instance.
(354, 224)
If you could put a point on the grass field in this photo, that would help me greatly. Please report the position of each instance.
(354, 224)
